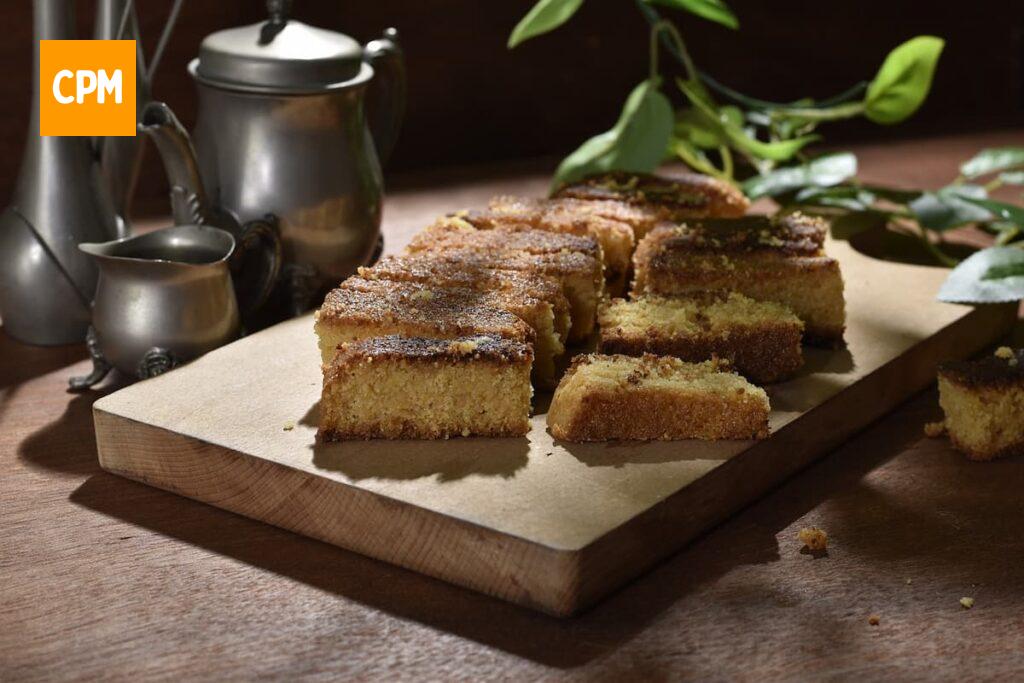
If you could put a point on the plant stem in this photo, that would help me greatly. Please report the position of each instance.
(726, 162)
(766, 105)
(842, 111)
(939, 255)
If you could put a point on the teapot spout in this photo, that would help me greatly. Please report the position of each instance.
(189, 204)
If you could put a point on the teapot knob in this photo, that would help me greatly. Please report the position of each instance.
(278, 11)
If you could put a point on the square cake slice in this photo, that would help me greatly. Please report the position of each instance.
(673, 198)
(437, 270)
(534, 312)
(760, 339)
(413, 388)
(612, 397)
(768, 259)
(350, 314)
(984, 404)
(616, 238)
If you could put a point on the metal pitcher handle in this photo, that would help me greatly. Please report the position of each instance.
(385, 105)
(262, 238)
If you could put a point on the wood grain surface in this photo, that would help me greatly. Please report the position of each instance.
(547, 524)
(105, 578)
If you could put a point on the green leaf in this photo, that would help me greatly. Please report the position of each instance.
(712, 10)
(637, 142)
(1008, 212)
(992, 160)
(697, 129)
(844, 197)
(991, 275)
(902, 84)
(732, 130)
(546, 15)
(1012, 178)
(825, 171)
(855, 222)
(892, 194)
(948, 208)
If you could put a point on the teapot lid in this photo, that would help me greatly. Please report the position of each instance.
(280, 55)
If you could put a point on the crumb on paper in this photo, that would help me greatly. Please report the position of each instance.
(934, 429)
(874, 619)
(813, 538)
(289, 425)
(1004, 352)
(967, 603)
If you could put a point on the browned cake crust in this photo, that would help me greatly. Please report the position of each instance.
(457, 232)
(350, 314)
(437, 270)
(677, 197)
(477, 349)
(791, 235)
(397, 387)
(762, 350)
(1001, 370)
(534, 312)
(617, 397)
(779, 260)
(581, 275)
(616, 238)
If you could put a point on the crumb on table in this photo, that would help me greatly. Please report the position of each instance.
(934, 429)
(967, 603)
(874, 619)
(289, 425)
(813, 537)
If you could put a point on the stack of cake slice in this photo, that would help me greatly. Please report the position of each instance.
(443, 340)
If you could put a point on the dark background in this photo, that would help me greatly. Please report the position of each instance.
(473, 101)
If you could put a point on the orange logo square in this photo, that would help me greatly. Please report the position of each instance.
(87, 87)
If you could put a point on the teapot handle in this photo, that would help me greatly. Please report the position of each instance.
(253, 287)
(386, 100)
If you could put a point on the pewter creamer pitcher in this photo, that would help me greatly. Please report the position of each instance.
(163, 298)
(281, 130)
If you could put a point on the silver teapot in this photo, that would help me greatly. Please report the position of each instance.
(282, 130)
(167, 297)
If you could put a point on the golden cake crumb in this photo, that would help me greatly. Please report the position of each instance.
(422, 295)
(967, 603)
(813, 538)
(289, 425)
(874, 619)
(1004, 352)
(934, 429)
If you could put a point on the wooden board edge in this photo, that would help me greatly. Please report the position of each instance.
(638, 544)
(459, 552)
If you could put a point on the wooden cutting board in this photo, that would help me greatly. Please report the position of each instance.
(548, 525)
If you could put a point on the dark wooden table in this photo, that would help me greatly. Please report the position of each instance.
(105, 578)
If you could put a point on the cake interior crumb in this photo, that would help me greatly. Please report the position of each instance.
(1004, 352)
(289, 425)
(967, 603)
(813, 538)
